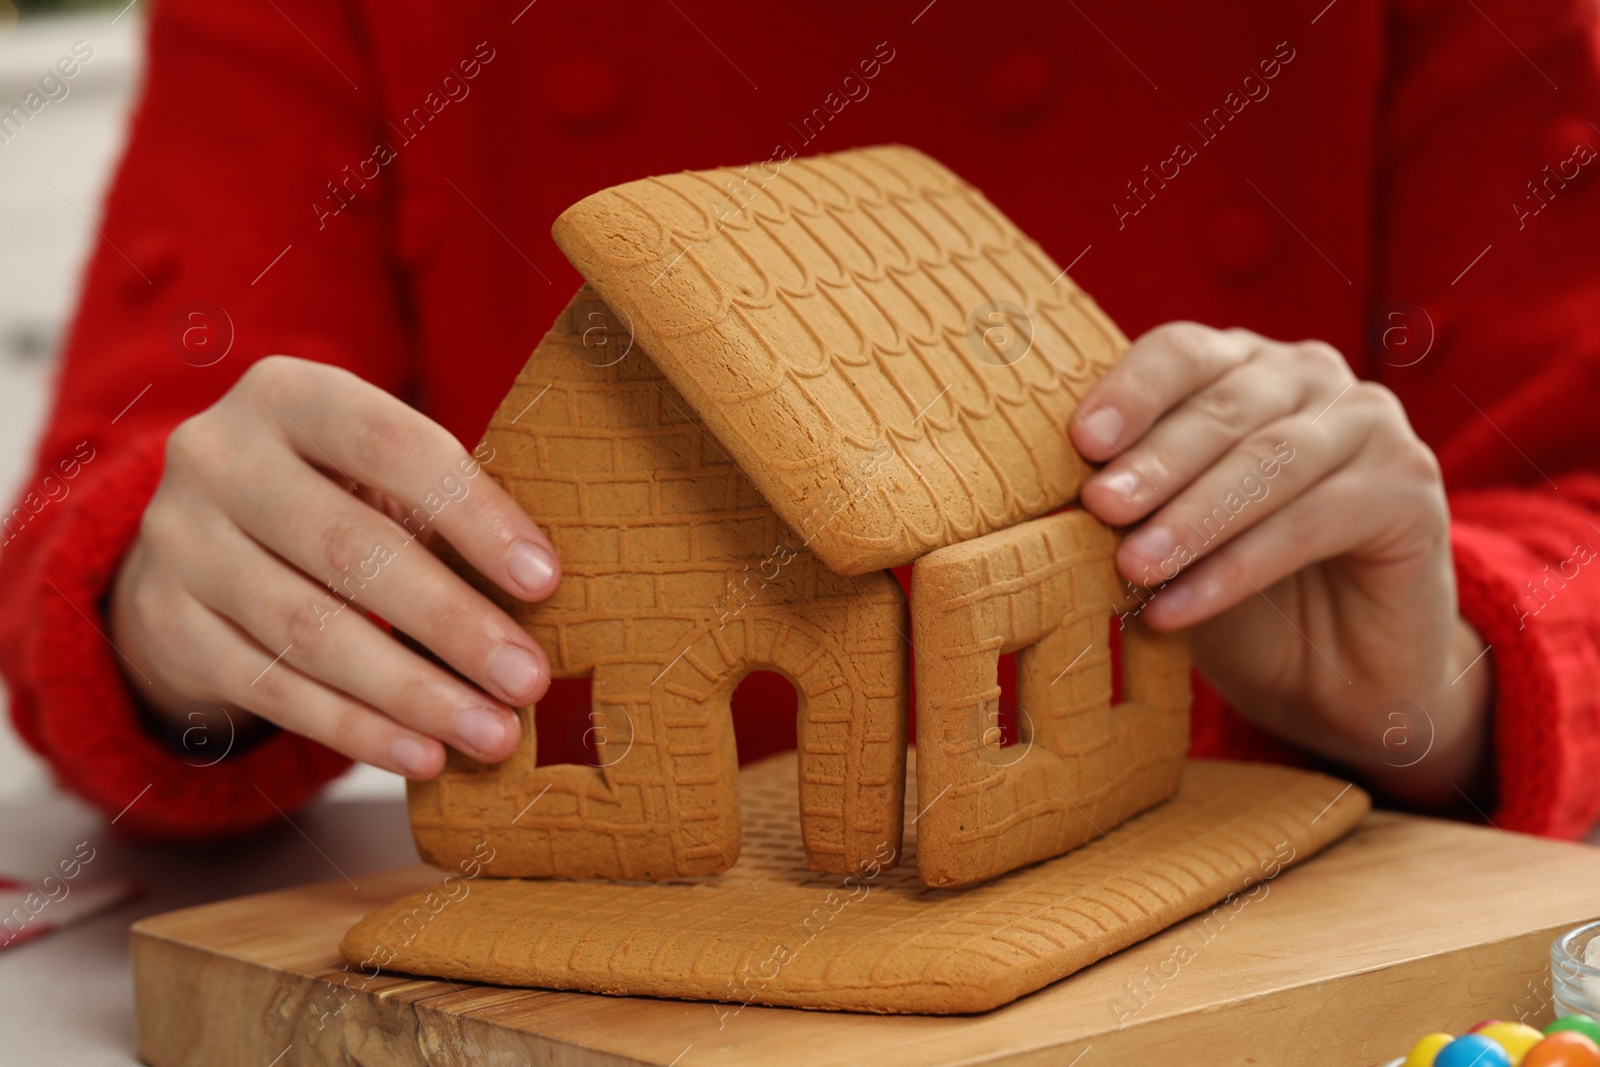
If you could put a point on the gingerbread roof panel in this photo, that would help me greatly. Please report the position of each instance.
(886, 356)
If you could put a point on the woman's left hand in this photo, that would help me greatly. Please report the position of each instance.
(1288, 513)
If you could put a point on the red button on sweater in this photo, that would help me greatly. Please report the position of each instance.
(372, 185)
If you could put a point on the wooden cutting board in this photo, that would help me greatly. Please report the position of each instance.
(1409, 925)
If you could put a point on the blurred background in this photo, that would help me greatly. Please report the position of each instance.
(53, 175)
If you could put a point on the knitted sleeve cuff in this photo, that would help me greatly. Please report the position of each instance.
(1545, 747)
(73, 703)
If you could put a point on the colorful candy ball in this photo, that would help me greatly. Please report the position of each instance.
(1473, 1050)
(1424, 1052)
(1581, 1024)
(1564, 1048)
(1515, 1038)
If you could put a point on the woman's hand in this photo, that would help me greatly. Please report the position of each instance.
(286, 510)
(1288, 512)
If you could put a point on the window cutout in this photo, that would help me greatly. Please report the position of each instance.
(1008, 724)
(563, 724)
(765, 706)
(1115, 640)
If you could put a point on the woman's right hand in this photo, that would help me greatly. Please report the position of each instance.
(304, 477)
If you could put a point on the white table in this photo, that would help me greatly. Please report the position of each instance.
(67, 998)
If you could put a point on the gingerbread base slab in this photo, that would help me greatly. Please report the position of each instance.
(770, 931)
(1407, 925)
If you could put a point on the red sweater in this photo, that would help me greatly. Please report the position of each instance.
(372, 185)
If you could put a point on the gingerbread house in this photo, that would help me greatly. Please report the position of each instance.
(778, 382)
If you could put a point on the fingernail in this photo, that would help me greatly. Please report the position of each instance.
(1122, 484)
(1105, 423)
(413, 757)
(532, 567)
(1150, 543)
(513, 669)
(1175, 599)
(481, 730)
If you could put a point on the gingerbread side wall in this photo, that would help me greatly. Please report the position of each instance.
(1083, 765)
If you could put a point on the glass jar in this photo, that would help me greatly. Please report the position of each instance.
(1574, 980)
